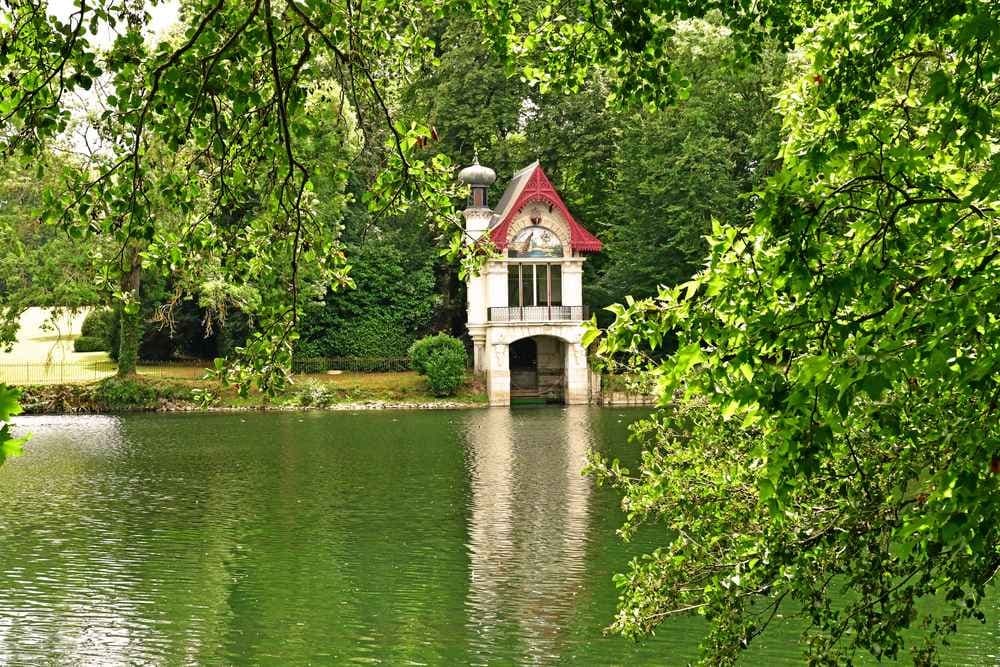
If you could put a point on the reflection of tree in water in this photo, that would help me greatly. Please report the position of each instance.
(137, 573)
(528, 527)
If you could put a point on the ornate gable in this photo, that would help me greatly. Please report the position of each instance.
(538, 189)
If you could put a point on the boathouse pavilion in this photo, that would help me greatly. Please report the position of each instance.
(525, 307)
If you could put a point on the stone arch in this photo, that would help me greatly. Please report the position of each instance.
(543, 375)
(542, 330)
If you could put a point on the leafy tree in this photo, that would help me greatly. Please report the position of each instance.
(40, 265)
(9, 445)
(391, 306)
(211, 122)
(833, 444)
(678, 168)
(467, 96)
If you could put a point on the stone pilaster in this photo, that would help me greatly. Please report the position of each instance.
(498, 376)
(577, 375)
(478, 336)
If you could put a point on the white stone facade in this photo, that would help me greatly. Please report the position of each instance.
(555, 322)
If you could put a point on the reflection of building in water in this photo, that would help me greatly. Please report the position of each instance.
(528, 527)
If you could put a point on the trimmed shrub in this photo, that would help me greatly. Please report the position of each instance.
(96, 331)
(442, 360)
(98, 324)
(393, 305)
(445, 373)
(90, 344)
(429, 346)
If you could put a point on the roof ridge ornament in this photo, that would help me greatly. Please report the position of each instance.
(477, 174)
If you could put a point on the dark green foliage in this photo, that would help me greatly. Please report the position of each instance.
(183, 337)
(118, 393)
(445, 372)
(129, 337)
(98, 324)
(90, 344)
(391, 306)
(680, 167)
(442, 359)
(469, 98)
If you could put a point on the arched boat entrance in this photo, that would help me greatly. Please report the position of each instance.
(538, 369)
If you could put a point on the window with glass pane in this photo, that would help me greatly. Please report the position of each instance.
(528, 285)
(513, 283)
(534, 285)
(542, 284)
(556, 272)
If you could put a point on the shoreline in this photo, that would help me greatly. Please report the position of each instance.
(115, 396)
(171, 407)
(112, 396)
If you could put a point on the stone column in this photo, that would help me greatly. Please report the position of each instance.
(496, 283)
(498, 377)
(595, 387)
(572, 282)
(577, 375)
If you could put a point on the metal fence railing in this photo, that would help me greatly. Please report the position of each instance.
(351, 364)
(76, 371)
(537, 313)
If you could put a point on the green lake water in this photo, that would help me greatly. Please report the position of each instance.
(444, 537)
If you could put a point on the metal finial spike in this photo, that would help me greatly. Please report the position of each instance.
(475, 156)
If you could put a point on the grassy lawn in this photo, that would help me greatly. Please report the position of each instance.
(43, 355)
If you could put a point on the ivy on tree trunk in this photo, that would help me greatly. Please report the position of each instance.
(131, 315)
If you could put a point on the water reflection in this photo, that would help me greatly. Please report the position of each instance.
(66, 556)
(527, 526)
(280, 539)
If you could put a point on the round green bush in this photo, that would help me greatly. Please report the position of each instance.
(445, 373)
(98, 324)
(429, 346)
(442, 359)
(90, 344)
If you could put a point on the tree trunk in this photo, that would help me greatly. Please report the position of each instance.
(131, 320)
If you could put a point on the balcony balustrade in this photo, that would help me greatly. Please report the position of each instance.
(538, 313)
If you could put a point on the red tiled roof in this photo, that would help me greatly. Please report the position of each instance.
(538, 188)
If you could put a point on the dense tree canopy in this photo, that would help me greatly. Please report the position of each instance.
(828, 439)
(679, 167)
(40, 265)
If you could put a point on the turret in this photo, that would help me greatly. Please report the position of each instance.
(477, 214)
(479, 179)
